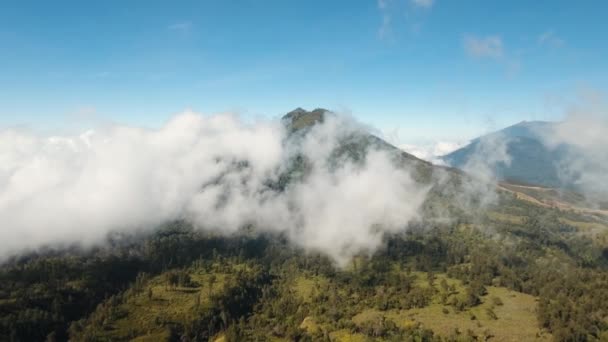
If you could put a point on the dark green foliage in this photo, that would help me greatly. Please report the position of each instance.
(49, 296)
(179, 278)
(45, 294)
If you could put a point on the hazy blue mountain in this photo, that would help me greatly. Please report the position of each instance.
(532, 161)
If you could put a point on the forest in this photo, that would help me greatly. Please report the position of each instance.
(515, 272)
(442, 176)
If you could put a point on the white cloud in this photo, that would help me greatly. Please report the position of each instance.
(484, 47)
(210, 170)
(385, 26)
(549, 38)
(422, 3)
(492, 48)
(489, 152)
(393, 10)
(433, 151)
(585, 129)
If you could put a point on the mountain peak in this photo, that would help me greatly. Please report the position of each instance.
(533, 123)
(301, 118)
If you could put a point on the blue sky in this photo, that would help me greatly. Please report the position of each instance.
(432, 70)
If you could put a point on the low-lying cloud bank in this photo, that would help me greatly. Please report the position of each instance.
(585, 130)
(216, 171)
(571, 154)
(432, 152)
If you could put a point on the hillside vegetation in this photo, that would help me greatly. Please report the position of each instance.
(508, 270)
(518, 273)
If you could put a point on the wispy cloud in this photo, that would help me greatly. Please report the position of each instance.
(385, 27)
(585, 163)
(491, 47)
(423, 3)
(433, 151)
(182, 26)
(549, 38)
(411, 10)
(484, 47)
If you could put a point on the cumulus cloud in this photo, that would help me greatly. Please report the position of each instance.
(484, 47)
(215, 171)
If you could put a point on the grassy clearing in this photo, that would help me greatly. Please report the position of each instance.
(516, 319)
(146, 314)
(506, 218)
(307, 287)
(503, 315)
(346, 336)
(220, 338)
(513, 316)
(142, 313)
(421, 280)
(587, 227)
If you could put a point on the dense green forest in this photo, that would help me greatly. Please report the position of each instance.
(514, 272)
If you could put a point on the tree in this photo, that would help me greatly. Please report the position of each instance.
(197, 302)
(212, 279)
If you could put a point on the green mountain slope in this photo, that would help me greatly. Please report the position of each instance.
(356, 145)
(507, 271)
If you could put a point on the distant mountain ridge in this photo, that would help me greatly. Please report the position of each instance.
(532, 161)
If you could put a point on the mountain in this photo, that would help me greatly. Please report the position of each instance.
(495, 272)
(299, 121)
(532, 161)
(300, 118)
